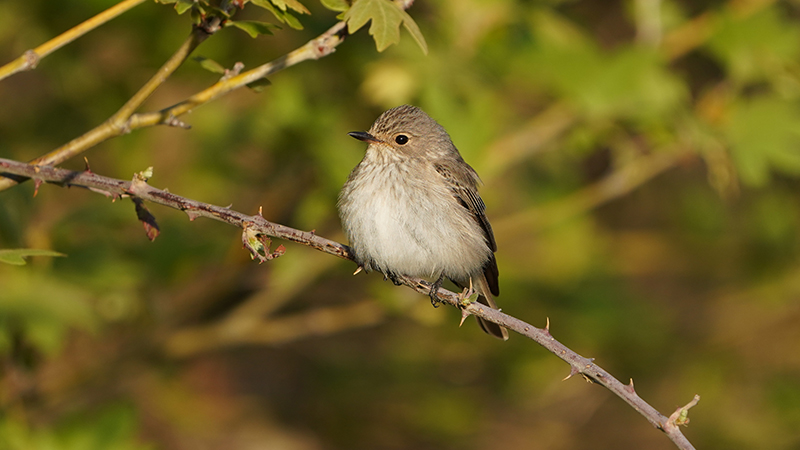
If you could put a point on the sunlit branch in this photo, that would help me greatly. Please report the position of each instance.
(30, 59)
(258, 225)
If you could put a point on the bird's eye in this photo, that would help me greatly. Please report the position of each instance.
(401, 139)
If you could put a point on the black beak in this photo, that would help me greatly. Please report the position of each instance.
(363, 136)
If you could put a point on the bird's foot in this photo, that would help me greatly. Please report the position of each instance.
(434, 289)
(392, 276)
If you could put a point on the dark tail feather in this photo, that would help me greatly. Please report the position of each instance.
(490, 327)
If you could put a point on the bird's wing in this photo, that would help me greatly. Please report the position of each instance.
(464, 185)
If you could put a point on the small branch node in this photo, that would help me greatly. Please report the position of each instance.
(230, 73)
(31, 60)
(258, 244)
(630, 387)
(681, 415)
(173, 121)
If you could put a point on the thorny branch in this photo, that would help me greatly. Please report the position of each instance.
(257, 225)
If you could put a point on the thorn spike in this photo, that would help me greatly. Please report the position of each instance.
(464, 315)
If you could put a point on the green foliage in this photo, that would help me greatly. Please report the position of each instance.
(281, 12)
(763, 133)
(643, 189)
(386, 17)
(209, 64)
(113, 429)
(17, 256)
(253, 28)
(43, 309)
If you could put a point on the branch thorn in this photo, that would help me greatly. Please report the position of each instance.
(358, 270)
(572, 372)
(192, 215)
(36, 183)
(86, 163)
(630, 387)
(464, 315)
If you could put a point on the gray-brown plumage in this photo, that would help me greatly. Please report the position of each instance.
(412, 207)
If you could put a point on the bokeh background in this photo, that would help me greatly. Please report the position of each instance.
(640, 163)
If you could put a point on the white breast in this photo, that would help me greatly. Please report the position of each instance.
(402, 218)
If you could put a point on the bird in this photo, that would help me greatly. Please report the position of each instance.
(411, 207)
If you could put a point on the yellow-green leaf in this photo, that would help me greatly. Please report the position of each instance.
(413, 30)
(17, 256)
(386, 17)
(259, 85)
(335, 5)
(209, 64)
(291, 4)
(253, 28)
(183, 5)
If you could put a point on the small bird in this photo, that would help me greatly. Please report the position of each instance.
(411, 207)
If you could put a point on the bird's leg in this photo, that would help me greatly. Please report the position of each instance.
(463, 297)
(392, 276)
(434, 289)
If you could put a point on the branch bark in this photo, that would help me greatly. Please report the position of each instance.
(30, 59)
(125, 121)
(258, 225)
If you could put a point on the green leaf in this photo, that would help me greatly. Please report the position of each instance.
(754, 47)
(335, 5)
(764, 135)
(292, 21)
(291, 4)
(413, 30)
(386, 17)
(209, 64)
(183, 5)
(282, 16)
(259, 85)
(166, 2)
(17, 256)
(253, 28)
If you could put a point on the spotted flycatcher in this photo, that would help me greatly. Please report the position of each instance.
(411, 207)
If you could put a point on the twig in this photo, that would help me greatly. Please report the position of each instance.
(124, 121)
(30, 59)
(120, 122)
(141, 190)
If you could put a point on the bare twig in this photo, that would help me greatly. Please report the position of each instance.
(30, 59)
(124, 121)
(141, 190)
(120, 122)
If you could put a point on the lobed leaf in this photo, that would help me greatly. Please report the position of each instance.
(386, 17)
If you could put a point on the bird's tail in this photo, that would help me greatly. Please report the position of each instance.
(485, 297)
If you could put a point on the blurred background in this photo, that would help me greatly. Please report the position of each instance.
(640, 163)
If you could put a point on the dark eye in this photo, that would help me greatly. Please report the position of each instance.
(401, 139)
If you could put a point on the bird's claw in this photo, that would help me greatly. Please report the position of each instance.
(433, 292)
